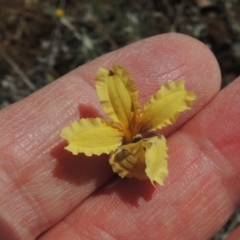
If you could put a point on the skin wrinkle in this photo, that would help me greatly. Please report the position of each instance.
(66, 106)
(143, 52)
(201, 95)
(161, 78)
(17, 171)
(216, 215)
(15, 212)
(27, 146)
(72, 232)
(174, 73)
(20, 135)
(109, 218)
(187, 175)
(184, 170)
(221, 208)
(190, 202)
(221, 160)
(196, 196)
(4, 179)
(165, 215)
(168, 73)
(17, 228)
(6, 143)
(79, 78)
(14, 121)
(35, 207)
(33, 141)
(211, 152)
(42, 208)
(10, 168)
(209, 204)
(124, 222)
(181, 224)
(101, 234)
(30, 144)
(214, 129)
(23, 190)
(208, 113)
(115, 59)
(39, 103)
(7, 120)
(178, 174)
(174, 221)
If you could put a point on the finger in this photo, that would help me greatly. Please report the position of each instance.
(199, 196)
(234, 235)
(40, 181)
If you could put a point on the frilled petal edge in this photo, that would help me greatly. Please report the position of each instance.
(92, 136)
(156, 159)
(164, 106)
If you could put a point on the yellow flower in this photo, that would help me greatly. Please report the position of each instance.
(135, 149)
(59, 12)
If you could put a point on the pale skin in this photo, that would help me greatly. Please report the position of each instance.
(47, 193)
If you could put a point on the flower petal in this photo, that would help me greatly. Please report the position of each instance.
(118, 94)
(164, 107)
(156, 159)
(129, 161)
(92, 136)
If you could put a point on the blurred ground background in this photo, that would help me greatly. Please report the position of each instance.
(40, 40)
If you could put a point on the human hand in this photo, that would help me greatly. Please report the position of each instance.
(48, 193)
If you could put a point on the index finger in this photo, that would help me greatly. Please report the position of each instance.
(41, 182)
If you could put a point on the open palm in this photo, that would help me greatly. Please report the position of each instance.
(48, 193)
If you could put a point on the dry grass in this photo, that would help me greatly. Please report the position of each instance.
(36, 46)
